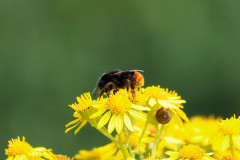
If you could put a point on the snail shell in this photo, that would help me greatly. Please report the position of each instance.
(163, 116)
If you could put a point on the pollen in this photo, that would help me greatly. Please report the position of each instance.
(230, 126)
(155, 92)
(192, 152)
(118, 103)
(139, 79)
(18, 147)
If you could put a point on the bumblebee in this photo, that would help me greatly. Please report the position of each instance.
(115, 80)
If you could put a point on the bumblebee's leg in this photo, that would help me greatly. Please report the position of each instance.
(101, 93)
(133, 92)
(131, 86)
(108, 87)
(115, 90)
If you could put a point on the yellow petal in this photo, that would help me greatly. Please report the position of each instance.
(140, 107)
(80, 126)
(119, 124)
(105, 118)
(177, 120)
(225, 143)
(236, 141)
(72, 122)
(172, 154)
(177, 101)
(128, 122)
(137, 115)
(167, 104)
(171, 140)
(111, 124)
(152, 102)
(68, 129)
(98, 113)
(182, 115)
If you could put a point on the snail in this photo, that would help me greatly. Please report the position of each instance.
(163, 116)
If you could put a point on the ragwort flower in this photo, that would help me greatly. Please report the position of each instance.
(200, 129)
(83, 110)
(159, 97)
(120, 112)
(21, 150)
(163, 97)
(84, 105)
(101, 153)
(227, 155)
(227, 135)
(189, 152)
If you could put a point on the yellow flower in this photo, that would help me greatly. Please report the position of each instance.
(189, 152)
(83, 109)
(120, 112)
(84, 105)
(101, 153)
(227, 155)
(160, 97)
(230, 158)
(227, 135)
(170, 143)
(200, 129)
(21, 150)
(80, 122)
(163, 97)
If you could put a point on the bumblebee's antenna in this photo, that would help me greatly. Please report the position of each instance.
(94, 91)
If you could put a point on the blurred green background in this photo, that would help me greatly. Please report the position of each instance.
(52, 51)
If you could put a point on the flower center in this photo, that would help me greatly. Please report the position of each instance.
(155, 92)
(18, 147)
(230, 158)
(192, 152)
(118, 103)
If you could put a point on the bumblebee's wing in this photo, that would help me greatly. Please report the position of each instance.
(134, 70)
(104, 78)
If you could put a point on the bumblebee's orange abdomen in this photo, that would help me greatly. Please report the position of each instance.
(139, 79)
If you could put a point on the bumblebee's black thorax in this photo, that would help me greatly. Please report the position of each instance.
(120, 79)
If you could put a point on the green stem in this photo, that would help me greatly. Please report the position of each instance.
(122, 148)
(157, 139)
(144, 129)
(102, 130)
(108, 135)
(231, 146)
(119, 143)
(127, 136)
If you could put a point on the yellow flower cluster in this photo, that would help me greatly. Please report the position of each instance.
(147, 125)
(21, 150)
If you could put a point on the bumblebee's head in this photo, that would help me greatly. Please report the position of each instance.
(139, 79)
